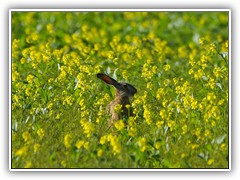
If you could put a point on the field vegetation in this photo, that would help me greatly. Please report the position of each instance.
(178, 62)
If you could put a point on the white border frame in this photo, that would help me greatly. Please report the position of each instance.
(121, 10)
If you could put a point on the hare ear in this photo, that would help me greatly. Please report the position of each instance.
(110, 81)
(132, 90)
(107, 79)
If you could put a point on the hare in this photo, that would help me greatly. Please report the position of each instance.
(123, 92)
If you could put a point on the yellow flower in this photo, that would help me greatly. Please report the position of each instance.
(220, 102)
(118, 108)
(183, 155)
(36, 147)
(202, 41)
(212, 48)
(191, 71)
(163, 113)
(142, 143)
(40, 133)
(159, 124)
(15, 75)
(30, 78)
(28, 165)
(26, 136)
(184, 129)
(157, 145)
(166, 82)
(147, 115)
(67, 140)
(211, 82)
(210, 162)
(86, 145)
(63, 163)
(119, 125)
(21, 151)
(154, 69)
(197, 132)
(166, 67)
(79, 144)
(178, 89)
(110, 55)
(171, 124)
(213, 123)
(160, 93)
(68, 100)
(103, 139)
(149, 85)
(176, 80)
(15, 44)
(99, 152)
(50, 28)
(211, 97)
(223, 146)
(58, 116)
(217, 72)
(116, 146)
(131, 121)
(32, 38)
(132, 131)
(191, 60)
(207, 133)
(199, 74)
(194, 104)
(226, 44)
(194, 146)
(128, 106)
(148, 70)
(88, 127)
(28, 91)
(182, 52)
(165, 103)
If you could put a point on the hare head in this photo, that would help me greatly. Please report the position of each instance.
(123, 92)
